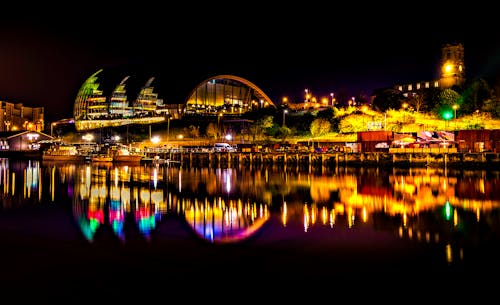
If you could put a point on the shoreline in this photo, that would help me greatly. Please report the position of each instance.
(488, 160)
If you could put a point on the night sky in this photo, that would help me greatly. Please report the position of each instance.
(45, 57)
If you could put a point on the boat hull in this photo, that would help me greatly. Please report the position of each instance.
(127, 158)
(64, 158)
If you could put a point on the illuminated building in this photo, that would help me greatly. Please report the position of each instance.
(118, 104)
(226, 94)
(16, 117)
(102, 103)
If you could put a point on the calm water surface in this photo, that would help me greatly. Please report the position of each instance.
(69, 230)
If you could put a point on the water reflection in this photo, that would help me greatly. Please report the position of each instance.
(454, 210)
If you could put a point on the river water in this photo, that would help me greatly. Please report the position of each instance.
(70, 230)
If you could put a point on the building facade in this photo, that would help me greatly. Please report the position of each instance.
(17, 117)
(222, 95)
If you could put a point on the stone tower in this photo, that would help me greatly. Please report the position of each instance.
(452, 65)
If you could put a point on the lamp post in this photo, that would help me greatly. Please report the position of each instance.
(455, 107)
(168, 129)
(285, 111)
(219, 125)
(363, 109)
(405, 106)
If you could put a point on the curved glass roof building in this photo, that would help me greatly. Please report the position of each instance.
(110, 99)
(226, 94)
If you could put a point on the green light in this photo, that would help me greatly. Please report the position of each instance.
(447, 115)
(447, 210)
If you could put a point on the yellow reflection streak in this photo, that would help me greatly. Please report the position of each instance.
(13, 183)
(24, 184)
(313, 214)
(332, 218)
(350, 217)
(52, 182)
(449, 253)
(116, 176)
(324, 215)
(40, 184)
(284, 214)
(306, 218)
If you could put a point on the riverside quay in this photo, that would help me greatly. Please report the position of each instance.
(394, 158)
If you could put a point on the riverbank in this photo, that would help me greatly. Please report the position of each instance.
(487, 160)
(407, 158)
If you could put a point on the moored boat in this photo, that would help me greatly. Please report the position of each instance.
(124, 155)
(101, 158)
(63, 153)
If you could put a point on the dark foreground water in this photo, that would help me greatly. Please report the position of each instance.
(80, 233)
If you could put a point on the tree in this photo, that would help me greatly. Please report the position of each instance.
(194, 131)
(352, 123)
(212, 130)
(284, 132)
(327, 114)
(474, 96)
(492, 106)
(448, 98)
(261, 126)
(418, 101)
(320, 127)
(387, 98)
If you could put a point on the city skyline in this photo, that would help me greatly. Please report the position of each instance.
(45, 60)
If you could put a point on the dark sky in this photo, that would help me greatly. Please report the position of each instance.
(283, 49)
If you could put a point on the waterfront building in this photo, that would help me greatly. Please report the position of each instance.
(21, 141)
(17, 117)
(226, 94)
(118, 101)
(222, 95)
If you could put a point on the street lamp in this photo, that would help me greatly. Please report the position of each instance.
(168, 129)
(285, 111)
(219, 125)
(364, 108)
(155, 140)
(405, 106)
(455, 107)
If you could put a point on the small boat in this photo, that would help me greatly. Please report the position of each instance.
(101, 158)
(63, 152)
(124, 155)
